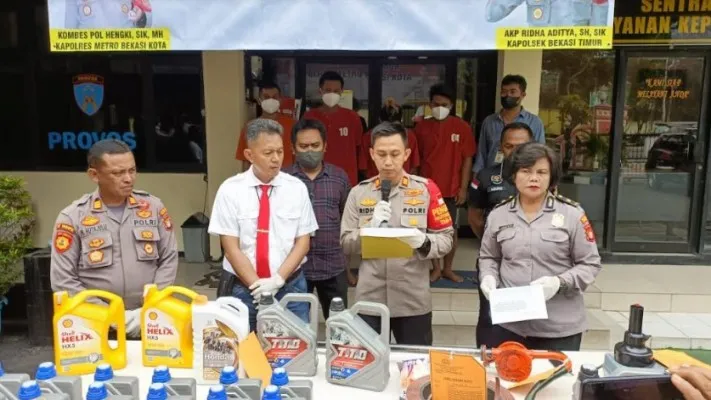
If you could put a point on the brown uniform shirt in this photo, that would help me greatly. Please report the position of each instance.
(403, 284)
(559, 242)
(92, 249)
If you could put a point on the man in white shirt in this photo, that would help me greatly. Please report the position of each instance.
(264, 219)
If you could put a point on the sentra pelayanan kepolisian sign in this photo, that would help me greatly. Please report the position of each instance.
(662, 22)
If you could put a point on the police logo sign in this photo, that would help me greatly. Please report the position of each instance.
(89, 92)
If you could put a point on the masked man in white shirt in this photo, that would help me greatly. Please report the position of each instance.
(264, 219)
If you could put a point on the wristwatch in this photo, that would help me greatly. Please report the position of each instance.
(563, 286)
(426, 246)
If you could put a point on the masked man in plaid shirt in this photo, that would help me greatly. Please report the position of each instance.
(328, 186)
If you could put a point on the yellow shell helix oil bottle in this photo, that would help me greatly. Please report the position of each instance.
(167, 327)
(81, 332)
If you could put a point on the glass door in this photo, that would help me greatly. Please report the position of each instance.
(659, 185)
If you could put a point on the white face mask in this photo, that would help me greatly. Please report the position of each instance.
(270, 106)
(440, 113)
(331, 99)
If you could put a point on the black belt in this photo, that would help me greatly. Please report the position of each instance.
(228, 280)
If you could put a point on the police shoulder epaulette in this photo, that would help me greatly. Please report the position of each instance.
(418, 178)
(566, 200)
(82, 200)
(141, 192)
(367, 181)
(504, 201)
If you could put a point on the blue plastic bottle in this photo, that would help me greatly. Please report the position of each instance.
(271, 393)
(30, 390)
(217, 392)
(239, 389)
(174, 386)
(116, 385)
(97, 391)
(49, 382)
(10, 383)
(157, 392)
(291, 389)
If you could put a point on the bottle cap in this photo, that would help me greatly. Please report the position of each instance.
(337, 305)
(29, 390)
(266, 299)
(279, 377)
(271, 393)
(97, 391)
(157, 392)
(103, 373)
(161, 374)
(45, 371)
(217, 392)
(228, 376)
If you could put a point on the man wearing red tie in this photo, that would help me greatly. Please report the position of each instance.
(264, 219)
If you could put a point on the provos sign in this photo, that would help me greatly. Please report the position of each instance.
(662, 22)
(62, 40)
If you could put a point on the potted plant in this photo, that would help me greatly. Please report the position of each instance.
(16, 224)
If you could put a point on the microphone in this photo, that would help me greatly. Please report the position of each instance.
(385, 187)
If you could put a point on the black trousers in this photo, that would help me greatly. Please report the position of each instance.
(567, 343)
(327, 289)
(415, 330)
(483, 325)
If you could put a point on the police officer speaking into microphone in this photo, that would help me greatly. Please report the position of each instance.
(487, 189)
(116, 239)
(402, 284)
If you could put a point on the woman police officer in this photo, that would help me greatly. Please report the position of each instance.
(538, 238)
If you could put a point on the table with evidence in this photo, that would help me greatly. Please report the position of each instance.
(561, 388)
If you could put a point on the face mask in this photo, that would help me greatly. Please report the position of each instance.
(270, 106)
(509, 102)
(309, 159)
(331, 99)
(440, 113)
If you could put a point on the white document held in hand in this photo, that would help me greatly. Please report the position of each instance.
(523, 303)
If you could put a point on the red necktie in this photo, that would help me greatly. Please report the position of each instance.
(263, 234)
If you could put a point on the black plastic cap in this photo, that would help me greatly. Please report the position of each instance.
(266, 299)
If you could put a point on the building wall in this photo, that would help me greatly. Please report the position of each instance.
(183, 194)
(527, 63)
(226, 112)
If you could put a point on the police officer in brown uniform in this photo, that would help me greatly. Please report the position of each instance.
(402, 284)
(116, 239)
(538, 238)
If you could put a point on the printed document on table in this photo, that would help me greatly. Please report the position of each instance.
(523, 303)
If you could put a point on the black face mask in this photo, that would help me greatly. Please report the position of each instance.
(509, 102)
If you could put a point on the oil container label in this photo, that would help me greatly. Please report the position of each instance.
(79, 342)
(220, 348)
(280, 345)
(162, 338)
(351, 355)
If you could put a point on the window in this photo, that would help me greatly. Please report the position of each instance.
(15, 151)
(576, 110)
(179, 127)
(408, 86)
(9, 30)
(83, 101)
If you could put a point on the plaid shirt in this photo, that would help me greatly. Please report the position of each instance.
(328, 192)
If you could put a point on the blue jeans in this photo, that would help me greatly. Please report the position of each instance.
(296, 284)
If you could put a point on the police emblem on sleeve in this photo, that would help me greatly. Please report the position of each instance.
(496, 179)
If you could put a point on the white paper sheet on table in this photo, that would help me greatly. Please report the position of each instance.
(523, 303)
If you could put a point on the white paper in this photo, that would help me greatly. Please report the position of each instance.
(523, 303)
